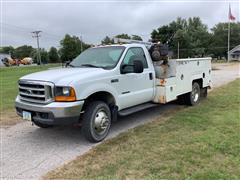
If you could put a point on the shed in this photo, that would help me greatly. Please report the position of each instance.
(234, 54)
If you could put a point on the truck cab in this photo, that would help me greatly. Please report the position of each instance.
(107, 81)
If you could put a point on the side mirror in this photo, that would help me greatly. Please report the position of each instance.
(137, 66)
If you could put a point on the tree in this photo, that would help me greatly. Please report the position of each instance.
(123, 36)
(191, 35)
(53, 55)
(43, 54)
(199, 36)
(22, 52)
(7, 50)
(107, 40)
(71, 47)
(219, 40)
(136, 37)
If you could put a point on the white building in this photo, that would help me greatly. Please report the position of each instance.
(235, 54)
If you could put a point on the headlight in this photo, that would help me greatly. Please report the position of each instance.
(65, 94)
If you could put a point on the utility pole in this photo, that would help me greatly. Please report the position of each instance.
(36, 34)
(178, 49)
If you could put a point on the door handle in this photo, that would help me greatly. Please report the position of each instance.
(151, 76)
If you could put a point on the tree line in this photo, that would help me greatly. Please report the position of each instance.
(193, 38)
(190, 37)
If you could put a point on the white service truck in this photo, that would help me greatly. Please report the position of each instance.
(107, 81)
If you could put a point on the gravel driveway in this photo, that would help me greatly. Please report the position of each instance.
(28, 152)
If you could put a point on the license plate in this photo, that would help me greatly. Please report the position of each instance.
(27, 115)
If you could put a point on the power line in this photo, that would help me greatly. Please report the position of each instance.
(27, 30)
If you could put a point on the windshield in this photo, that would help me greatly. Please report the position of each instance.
(102, 57)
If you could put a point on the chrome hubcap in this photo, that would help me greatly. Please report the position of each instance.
(101, 122)
(195, 94)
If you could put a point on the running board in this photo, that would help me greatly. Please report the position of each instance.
(137, 108)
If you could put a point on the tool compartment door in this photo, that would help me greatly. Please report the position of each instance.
(165, 90)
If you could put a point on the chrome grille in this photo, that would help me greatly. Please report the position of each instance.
(36, 92)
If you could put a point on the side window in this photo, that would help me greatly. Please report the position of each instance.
(133, 54)
(114, 54)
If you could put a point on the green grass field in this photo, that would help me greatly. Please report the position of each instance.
(9, 86)
(201, 142)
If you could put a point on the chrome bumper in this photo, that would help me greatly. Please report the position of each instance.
(52, 113)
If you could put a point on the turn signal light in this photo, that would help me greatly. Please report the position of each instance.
(67, 98)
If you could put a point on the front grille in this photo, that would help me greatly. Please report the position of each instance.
(36, 92)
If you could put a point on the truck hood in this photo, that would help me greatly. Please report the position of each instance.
(64, 75)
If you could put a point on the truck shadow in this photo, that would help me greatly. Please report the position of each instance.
(70, 135)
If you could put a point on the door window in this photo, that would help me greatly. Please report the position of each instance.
(133, 54)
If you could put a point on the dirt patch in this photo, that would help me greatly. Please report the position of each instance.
(227, 66)
(215, 69)
(9, 118)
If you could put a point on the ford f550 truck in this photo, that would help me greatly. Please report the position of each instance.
(107, 81)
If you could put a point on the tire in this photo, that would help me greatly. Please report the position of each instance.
(96, 121)
(41, 125)
(181, 99)
(204, 92)
(193, 97)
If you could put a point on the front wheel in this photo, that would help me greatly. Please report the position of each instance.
(96, 121)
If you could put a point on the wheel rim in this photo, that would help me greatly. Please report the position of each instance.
(195, 94)
(101, 122)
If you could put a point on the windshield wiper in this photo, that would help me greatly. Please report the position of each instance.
(91, 65)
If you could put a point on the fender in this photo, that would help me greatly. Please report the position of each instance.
(83, 93)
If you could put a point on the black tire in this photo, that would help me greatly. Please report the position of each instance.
(96, 121)
(41, 125)
(204, 92)
(181, 99)
(193, 97)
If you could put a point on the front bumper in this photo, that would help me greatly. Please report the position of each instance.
(55, 113)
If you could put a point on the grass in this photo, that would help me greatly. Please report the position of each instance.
(201, 142)
(9, 89)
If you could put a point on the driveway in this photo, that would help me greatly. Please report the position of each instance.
(28, 152)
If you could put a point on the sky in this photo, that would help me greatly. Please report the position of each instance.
(94, 19)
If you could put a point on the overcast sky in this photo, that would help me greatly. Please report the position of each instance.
(95, 20)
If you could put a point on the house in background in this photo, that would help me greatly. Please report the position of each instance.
(234, 54)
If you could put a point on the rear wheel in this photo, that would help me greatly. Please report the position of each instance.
(96, 121)
(193, 97)
(181, 99)
(204, 92)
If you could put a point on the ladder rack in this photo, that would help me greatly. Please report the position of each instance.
(131, 41)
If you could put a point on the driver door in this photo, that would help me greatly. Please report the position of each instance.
(135, 88)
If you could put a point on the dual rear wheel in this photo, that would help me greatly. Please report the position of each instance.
(192, 98)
